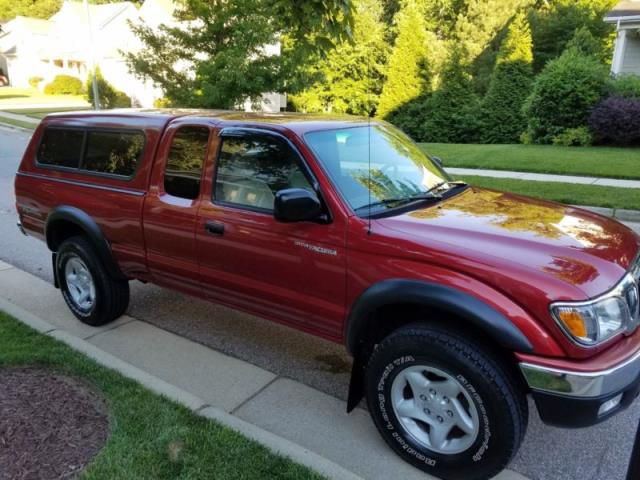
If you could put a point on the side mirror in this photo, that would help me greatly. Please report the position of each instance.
(296, 205)
(438, 161)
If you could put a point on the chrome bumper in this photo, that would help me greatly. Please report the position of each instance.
(582, 384)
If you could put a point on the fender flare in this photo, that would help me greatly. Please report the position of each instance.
(90, 228)
(425, 294)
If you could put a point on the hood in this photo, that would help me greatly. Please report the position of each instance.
(569, 245)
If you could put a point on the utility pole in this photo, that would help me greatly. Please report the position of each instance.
(96, 98)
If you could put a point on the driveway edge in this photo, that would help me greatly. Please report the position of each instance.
(198, 406)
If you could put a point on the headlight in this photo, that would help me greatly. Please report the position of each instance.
(597, 320)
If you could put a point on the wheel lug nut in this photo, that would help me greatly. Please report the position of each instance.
(450, 413)
(432, 391)
(423, 397)
(440, 419)
(427, 411)
(445, 399)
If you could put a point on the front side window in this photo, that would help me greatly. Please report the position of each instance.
(253, 168)
(185, 161)
(376, 166)
(116, 153)
(61, 147)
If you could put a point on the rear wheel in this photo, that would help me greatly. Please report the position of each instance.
(444, 404)
(93, 296)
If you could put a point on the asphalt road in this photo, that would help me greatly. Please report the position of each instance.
(599, 452)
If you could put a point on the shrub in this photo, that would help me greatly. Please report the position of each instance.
(564, 95)
(108, 96)
(616, 121)
(64, 85)
(627, 86)
(502, 117)
(574, 137)
(35, 81)
(452, 112)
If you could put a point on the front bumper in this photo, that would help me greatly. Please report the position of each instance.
(580, 399)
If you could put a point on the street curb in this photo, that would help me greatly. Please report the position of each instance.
(7, 126)
(276, 444)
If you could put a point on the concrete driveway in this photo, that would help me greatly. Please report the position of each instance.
(595, 453)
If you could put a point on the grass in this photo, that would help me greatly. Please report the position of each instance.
(17, 123)
(570, 193)
(40, 113)
(151, 437)
(587, 161)
(26, 96)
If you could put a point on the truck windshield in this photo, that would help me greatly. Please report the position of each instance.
(377, 167)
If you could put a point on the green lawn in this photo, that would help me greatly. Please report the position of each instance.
(588, 161)
(570, 193)
(17, 123)
(144, 426)
(29, 96)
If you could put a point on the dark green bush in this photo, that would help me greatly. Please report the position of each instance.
(564, 95)
(452, 112)
(64, 85)
(108, 96)
(502, 117)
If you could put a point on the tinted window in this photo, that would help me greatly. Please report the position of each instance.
(252, 169)
(184, 165)
(113, 152)
(61, 147)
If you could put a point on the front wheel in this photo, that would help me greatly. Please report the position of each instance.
(93, 296)
(444, 404)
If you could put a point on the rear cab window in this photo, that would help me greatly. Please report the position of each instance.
(94, 151)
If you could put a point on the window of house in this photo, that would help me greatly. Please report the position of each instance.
(185, 161)
(252, 169)
(115, 153)
(61, 148)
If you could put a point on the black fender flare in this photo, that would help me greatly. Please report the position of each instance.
(425, 294)
(90, 228)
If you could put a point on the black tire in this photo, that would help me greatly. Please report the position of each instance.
(111, 295)
(500, 406)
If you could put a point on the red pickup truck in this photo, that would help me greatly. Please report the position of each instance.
(456, 302)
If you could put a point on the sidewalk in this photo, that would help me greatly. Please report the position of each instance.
(284, 411)
(540, 177)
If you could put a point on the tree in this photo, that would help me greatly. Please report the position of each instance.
(564, 94)
(407, 69)
(452, 110)
(555, 22)
(349, 78)
(502, 116)
(217, 55)
(108, 95)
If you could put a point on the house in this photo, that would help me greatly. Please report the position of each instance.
(626, 17)
(79, 36)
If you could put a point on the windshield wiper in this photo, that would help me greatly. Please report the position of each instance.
(456, 184)
(402, 200)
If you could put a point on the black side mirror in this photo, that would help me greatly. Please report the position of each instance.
(296, 205)
(438, 161)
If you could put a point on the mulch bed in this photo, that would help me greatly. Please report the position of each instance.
(51, 425)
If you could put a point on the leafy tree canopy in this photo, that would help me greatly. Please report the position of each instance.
(219, 54)
(349, 78)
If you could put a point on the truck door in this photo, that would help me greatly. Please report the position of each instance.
(294, 273)
(171, 207)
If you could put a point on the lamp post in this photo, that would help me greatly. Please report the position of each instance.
(96, 98)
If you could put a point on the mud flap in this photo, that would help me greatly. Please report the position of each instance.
(356, 384)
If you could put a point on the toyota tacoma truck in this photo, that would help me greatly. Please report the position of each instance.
(455, 302)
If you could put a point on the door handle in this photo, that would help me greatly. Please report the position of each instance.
(214, 228)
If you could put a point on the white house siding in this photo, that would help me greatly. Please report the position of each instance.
(631, 60)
